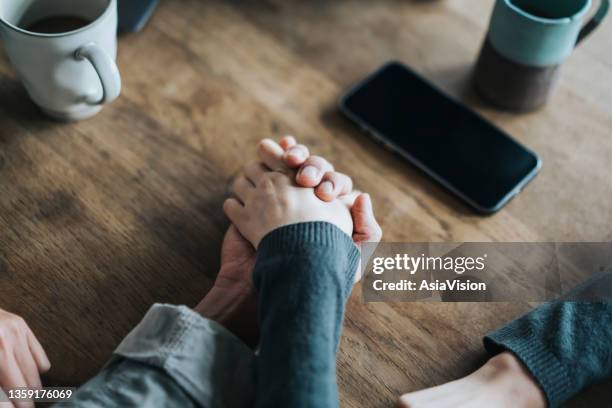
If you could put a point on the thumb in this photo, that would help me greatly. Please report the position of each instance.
(366, 228)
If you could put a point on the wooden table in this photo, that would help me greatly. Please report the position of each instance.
(99, 219)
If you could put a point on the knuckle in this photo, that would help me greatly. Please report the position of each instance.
(269, 177)
(276, 177)
(236, 183)
(242, 183)
(284, 202)
(18, 324)
(320, 162)
(287, 142)
(227, 205)
(303, 148)
(344, 179)
(311, 161)
(267, 183)
(12, 327)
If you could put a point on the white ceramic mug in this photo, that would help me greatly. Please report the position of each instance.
(70, 75)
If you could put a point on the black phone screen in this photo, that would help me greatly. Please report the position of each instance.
(469, 155)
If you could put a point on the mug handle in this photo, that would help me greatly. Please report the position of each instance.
(105, 68)
(594, 21)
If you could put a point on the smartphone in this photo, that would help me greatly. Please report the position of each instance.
(460, 149)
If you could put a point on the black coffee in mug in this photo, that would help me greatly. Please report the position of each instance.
(57, 24)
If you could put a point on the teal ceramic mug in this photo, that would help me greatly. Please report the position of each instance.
(528, 40)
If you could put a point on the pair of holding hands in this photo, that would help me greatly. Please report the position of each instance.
(286, 186)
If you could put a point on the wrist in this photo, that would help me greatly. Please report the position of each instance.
(506, 367)
(232, 307)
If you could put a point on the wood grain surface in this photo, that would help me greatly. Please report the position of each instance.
(100, 219)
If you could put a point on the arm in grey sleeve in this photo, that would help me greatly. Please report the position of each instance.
(173, 357)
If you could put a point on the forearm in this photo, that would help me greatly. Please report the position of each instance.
(565, 345)
(304, 274)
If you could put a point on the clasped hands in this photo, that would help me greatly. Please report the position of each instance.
(286, 186)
